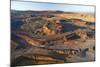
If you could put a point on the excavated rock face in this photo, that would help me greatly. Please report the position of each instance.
(52, 28)
(47, 29)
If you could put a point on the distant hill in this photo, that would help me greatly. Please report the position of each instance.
(42, 12)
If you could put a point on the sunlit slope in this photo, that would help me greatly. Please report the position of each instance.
(84, 17)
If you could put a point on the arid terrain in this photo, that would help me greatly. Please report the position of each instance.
(48, 37)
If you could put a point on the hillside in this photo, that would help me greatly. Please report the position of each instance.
(47, 37)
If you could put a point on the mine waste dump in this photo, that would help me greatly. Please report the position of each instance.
(49, 37)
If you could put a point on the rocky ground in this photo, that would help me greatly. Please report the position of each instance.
(51, 38)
